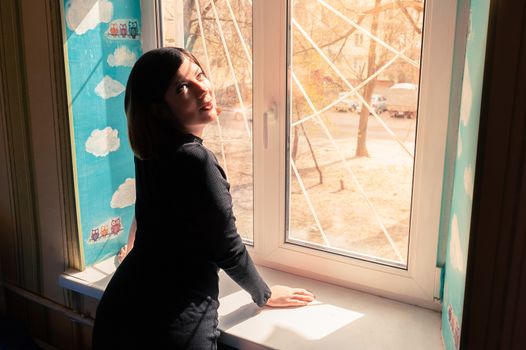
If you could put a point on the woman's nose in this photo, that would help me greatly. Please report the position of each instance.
(201, 88)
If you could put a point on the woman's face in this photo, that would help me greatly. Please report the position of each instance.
(190, 98)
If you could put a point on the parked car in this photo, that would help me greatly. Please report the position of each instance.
(402, 100)
(346, 105)
(378, 103)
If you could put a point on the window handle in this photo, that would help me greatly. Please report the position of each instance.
(270, 117)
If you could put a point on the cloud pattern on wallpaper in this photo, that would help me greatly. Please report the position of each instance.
(463, 181)
(455, 249)
(459, 146)
(468, 181)
(108, 88)
(103, 41)
(102, 142)
(125, 195)
(467, 97)
(122, 56)
(84, 15)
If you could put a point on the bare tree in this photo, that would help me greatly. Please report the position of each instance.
(295, 141)
(361, 143)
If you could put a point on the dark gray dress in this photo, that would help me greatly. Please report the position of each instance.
(164, 294)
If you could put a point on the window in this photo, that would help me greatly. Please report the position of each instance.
(350, 197)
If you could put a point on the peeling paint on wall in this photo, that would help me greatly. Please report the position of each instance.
(454, 325)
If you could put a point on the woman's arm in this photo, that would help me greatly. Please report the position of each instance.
(213, 202)
(131, 234)
(131, 240)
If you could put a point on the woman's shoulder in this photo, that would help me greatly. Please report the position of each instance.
(195, 152)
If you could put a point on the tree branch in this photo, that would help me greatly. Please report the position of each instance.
(408, 16)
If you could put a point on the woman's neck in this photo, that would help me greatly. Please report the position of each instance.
(196, 130)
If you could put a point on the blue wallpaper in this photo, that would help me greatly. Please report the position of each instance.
(462, 199)
(103, 42)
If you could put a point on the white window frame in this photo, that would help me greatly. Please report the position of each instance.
(417, 284)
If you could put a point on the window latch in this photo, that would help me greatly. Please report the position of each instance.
(270, 117)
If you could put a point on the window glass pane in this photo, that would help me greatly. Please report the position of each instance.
(219, 34)
(352, 125)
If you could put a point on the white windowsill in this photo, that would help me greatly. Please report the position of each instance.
(340, 318)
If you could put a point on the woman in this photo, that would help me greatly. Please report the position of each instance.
(164, 295)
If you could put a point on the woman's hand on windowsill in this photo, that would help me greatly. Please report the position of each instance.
(283, 296)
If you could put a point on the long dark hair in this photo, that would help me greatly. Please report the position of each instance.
(150, 77)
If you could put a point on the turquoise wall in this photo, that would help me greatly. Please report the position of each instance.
(102, 43)
(462, 197)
